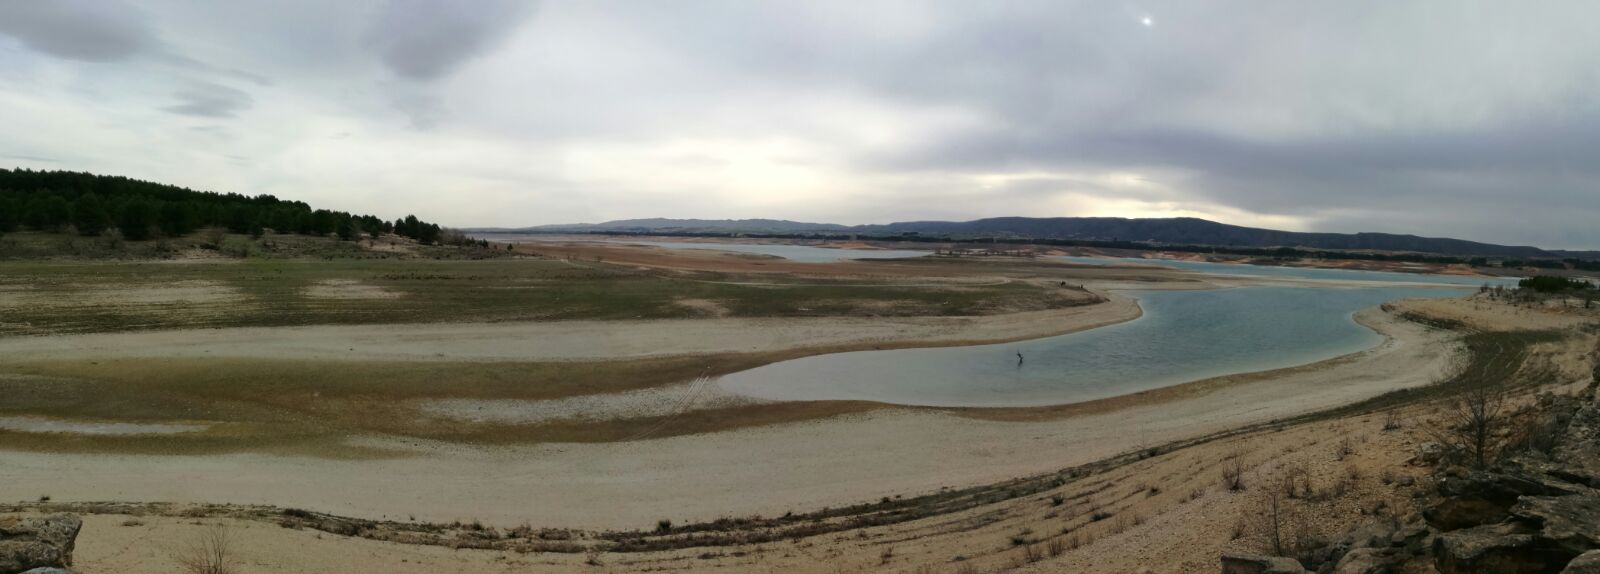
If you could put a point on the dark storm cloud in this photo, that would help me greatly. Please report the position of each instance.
(89, 30)
(211, 101)
(427, 39)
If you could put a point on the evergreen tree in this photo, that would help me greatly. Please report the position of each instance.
(48, 212)
(136, 220)
(10, 217)
(177, 219)
(243, 219)
(348, 229)
(89, 215)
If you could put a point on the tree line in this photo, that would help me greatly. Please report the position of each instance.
(92, 205)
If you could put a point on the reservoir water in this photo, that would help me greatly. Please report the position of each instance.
(1248, 270)
(798, 253)
(1183, 336)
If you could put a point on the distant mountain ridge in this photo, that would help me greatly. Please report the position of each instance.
(1179, 230)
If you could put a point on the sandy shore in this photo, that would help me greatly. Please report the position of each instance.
(767, 470)
(569, 340)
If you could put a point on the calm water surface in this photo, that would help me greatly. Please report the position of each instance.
(1183, 336)
(800, 253)
(1245, 269)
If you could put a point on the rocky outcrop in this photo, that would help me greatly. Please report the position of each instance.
(1480, 497)
(1586, 563)
(29, 543)
(1537, 511)
(1507, 548)
(1568, 524)
(1252, 564)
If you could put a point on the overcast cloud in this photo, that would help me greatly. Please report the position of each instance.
(1467, 119)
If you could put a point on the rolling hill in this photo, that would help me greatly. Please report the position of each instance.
(1181, 230)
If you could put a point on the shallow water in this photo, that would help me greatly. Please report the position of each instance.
(1183, 336)
(1249, 270)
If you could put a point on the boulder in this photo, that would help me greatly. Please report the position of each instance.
(1568, 523)
(1364, 561)
(1586, 563)
(1374, 535)
(27, 543)
(1504, 548)
(1252, 564)
(1410, 538)
(1478, 497)
(1429, 453)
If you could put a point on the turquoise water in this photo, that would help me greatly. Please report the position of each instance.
(1183, 336)
(1294, 272)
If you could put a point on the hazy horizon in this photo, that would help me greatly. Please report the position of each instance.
(1434, 119)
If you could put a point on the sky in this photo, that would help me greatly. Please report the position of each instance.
(1465, 119)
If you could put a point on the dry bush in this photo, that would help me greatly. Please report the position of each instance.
(1343, 449)
(1278, 522)
(1296, 481)
(211, 552)
(1470, 422)
(1538, 434)
(1391, 420)
(1233, 472)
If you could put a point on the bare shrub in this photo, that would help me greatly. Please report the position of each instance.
(1278, 524)
(1470, 422)
(1296, 482)
(1540, 434)
(1031, 554)
(211, 552)
(1233, 472)
(1391, 420)
(1343, 449)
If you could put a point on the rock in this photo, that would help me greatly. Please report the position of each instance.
(27, 543)
(1568, 523)
(48, 570)
(1405, 480)
(1429, 453)
(1363, 561)
(1502, 548)
(1477, 497)
(1586, 563)
(1580, 444)
(1375, 535)
(1252, 564)
(1410, 537)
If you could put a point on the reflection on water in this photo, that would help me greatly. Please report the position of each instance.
(1183, 336)
(1245, 269)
